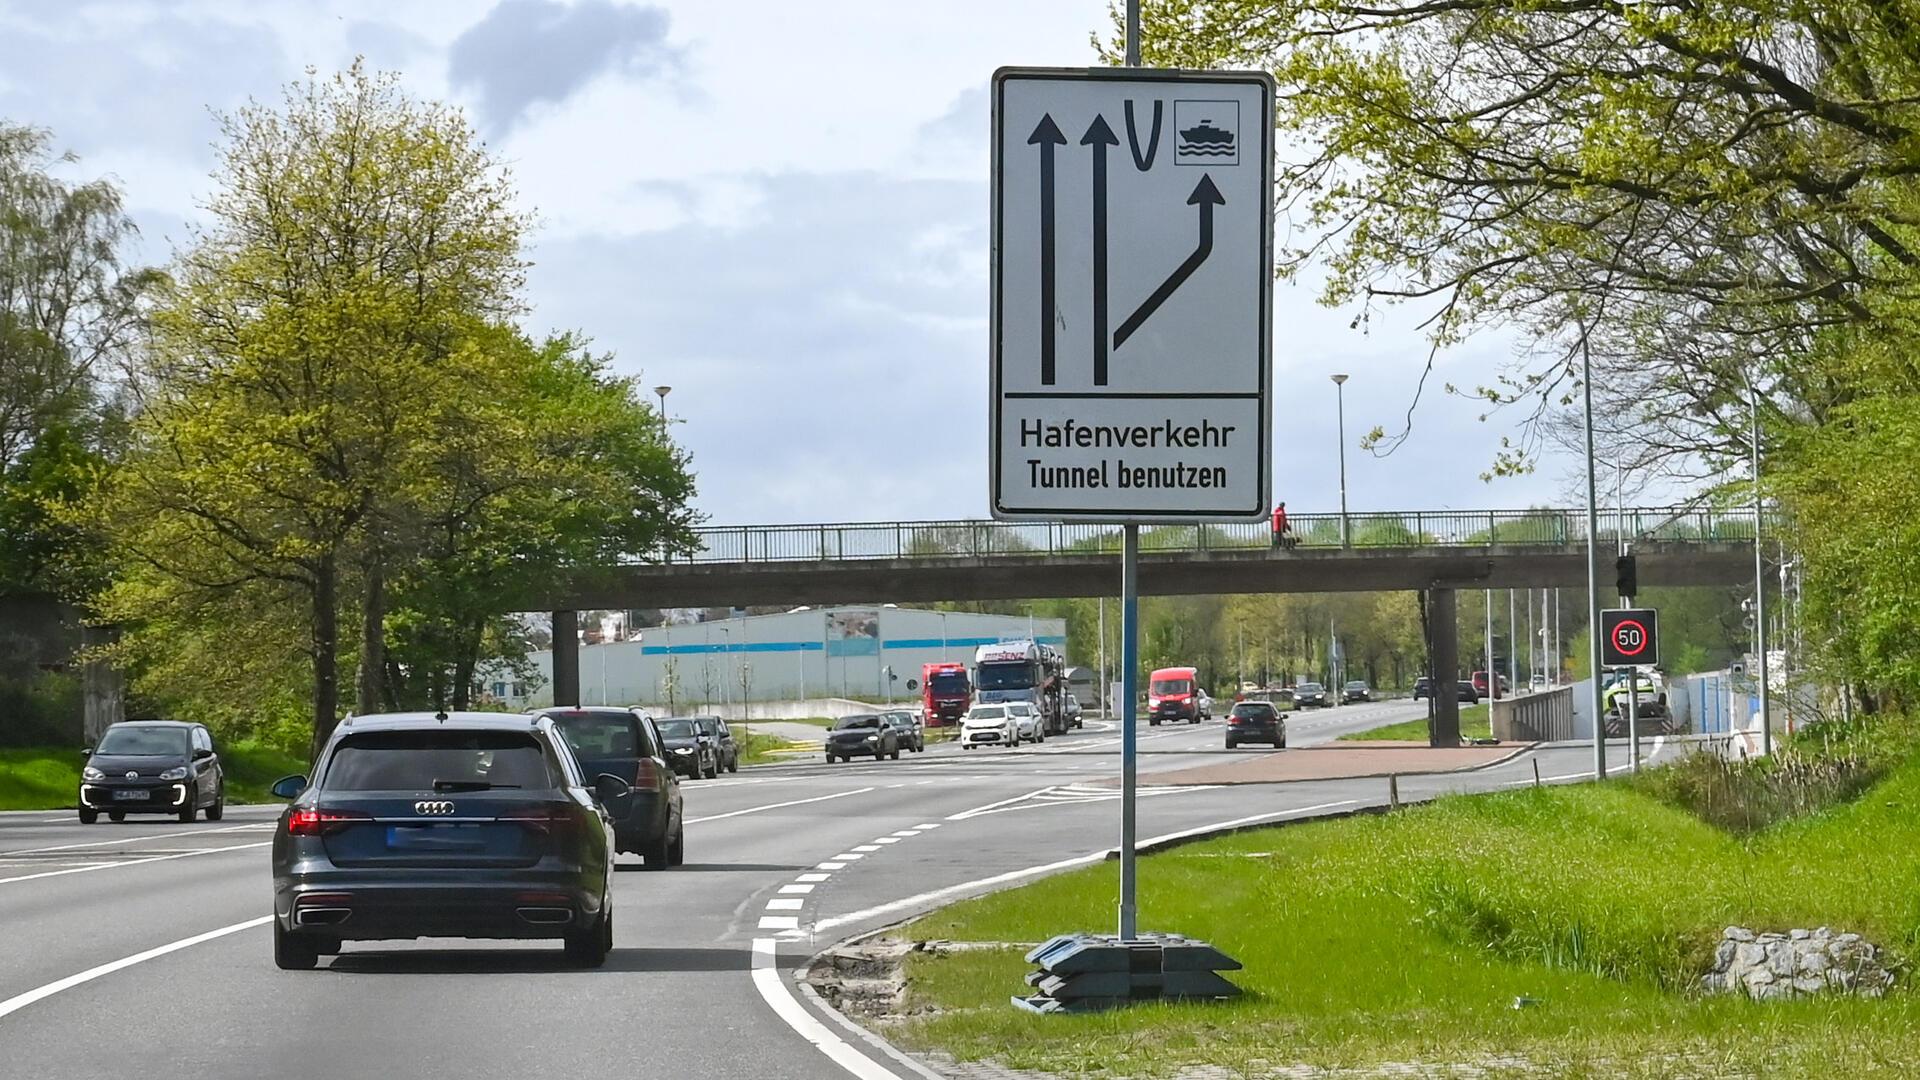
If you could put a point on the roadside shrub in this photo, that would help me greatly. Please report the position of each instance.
(1744, 797)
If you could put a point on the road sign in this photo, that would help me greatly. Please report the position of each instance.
(1132, 294)
(1629, 637)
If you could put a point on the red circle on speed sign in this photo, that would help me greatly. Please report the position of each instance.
(1629, 637)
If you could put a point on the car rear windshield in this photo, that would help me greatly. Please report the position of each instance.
(144, 742)
(1164, 687)
(854, 723)
(601, 733)
(431, 760)
(1258, 710)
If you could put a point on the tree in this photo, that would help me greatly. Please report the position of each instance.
(309, 360)
(68, 308)
(558, 466)
(1691, 193)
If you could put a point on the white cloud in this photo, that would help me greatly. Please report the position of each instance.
(779, 209)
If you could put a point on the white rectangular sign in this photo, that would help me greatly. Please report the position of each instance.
(1132, 294)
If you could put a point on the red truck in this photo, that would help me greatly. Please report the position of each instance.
(945, 693)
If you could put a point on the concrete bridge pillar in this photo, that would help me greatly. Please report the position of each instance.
(1444, 627)
(566, 658)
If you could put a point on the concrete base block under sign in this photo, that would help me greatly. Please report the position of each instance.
(1090, 972)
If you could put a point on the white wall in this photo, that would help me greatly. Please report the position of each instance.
(823, 652)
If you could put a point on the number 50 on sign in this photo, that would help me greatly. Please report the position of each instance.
(1629, 637)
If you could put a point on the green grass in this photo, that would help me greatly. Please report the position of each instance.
(1475, 723)
(39, 778)
(1406, 938)
(48, 778)
(758, 749)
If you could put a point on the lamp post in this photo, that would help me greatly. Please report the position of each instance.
(1759, 579)
(1340, 406)
(661, 392)
(726, 673)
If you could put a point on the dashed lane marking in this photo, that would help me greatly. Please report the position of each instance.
(779, 805)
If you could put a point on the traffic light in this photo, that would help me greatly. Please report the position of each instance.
(1627, 576)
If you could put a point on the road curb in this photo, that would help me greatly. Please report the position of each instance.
(1517, 751)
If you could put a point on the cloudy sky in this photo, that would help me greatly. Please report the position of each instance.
(779, 209)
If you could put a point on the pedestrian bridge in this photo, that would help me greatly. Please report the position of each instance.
(927, 561)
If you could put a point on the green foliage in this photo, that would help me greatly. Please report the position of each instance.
(1744, 797)
(1476, 722)
(39, 707)
(343, 427)
(40, 550)
(1852, 490)
(69, 310)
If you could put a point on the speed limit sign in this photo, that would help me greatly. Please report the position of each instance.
(1629, 637)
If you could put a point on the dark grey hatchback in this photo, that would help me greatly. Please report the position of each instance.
(152, 767)
(473, 825)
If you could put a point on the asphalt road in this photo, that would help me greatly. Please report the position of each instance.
(141, 949)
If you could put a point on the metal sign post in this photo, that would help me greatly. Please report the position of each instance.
(1132, 316)
(1630, 639)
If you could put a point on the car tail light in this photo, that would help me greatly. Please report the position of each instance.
(311, 822)
(1233, 721)
(646, 776)
(539, 819)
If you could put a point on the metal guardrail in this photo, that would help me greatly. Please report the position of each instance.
(1416, 529)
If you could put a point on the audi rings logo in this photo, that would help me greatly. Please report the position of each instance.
(433, 808)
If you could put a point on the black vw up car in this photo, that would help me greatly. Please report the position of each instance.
(476, 825)
(152, 767)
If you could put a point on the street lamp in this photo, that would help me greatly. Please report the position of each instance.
(1340, 396)
(661, 392)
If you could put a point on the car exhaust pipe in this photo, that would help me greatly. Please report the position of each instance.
(546, 916)
(322, 916)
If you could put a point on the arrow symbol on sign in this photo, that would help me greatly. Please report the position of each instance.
(1046, 136)
(1099, 136)
(1206, 197)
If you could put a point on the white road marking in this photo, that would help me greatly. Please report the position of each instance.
(969, 887)
(813, 877)
(778, 805)
(796, 889)
(849, 856)
(933, 825)
(131, 862)
(903, 833)
(832, 866)
(867, 849)
(787, 904)
(886, 839)
(779, 922)
(766, 979)
(136, 838)
(20, 1001)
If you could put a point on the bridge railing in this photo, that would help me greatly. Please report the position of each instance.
(1414, 529)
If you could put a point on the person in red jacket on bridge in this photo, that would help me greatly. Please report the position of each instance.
(1280, 527)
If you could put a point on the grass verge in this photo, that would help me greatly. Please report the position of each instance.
(1407, 938)
(48, 777)
(1476, 722)
(759, 749)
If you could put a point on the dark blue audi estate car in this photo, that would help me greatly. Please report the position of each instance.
(471, 825)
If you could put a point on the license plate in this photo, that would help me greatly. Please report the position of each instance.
(131, 795)
(434, 837)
